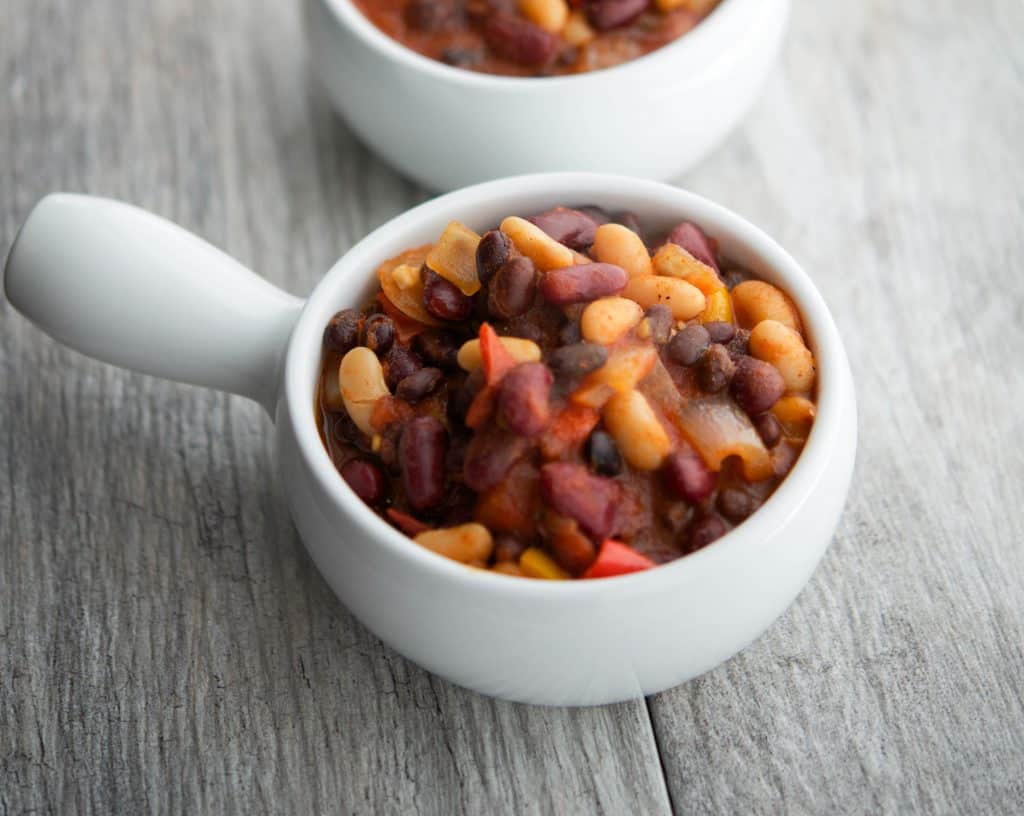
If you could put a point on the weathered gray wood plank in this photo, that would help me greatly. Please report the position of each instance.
(887, 155)
(164, 642)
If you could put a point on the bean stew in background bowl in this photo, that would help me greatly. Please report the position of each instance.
(566, 396)
(535, 37)
(652, 113)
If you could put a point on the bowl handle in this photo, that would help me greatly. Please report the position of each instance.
(130, 288)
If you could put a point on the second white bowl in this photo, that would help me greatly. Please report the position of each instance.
(448, 127)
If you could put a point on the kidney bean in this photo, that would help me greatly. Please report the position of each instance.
(419, 384)
(490, 455)
(575, 492)
(692, 238)
(578, 284)
(573, 228)
(426, 15)
(603, 455)
(512, 289)
(716, 369)
(507, 548)
(519, 41)
(597, 214)
(399, 363)
(378, 333)
(756, 386)
(607, 14)
(769, 429)
(660, 321)
(494, 249)
(440, 348)
(365, 479)
(689, 344)
(705, 530)
(342, 332)
(687, 475)
(735, 504)
(524, 402)
(422, 452)
(720, 331)
(444, 300)
(578, 359)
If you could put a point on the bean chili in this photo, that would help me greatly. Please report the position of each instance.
(535, 37)
(574, 405)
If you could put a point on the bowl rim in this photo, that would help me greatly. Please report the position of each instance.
(304, 351)
(716, 25)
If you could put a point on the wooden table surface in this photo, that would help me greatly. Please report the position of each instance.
(166, 644)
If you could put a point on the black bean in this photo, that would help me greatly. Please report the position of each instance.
(513, 288)
(419, 384)
(597, 214)
(769, 429)
(660, 321)
(578, 359)
(399, 363)
(378, 333)
(462, 397)
(734, 276)
(346, 431)
(494, 249)
(422, 454)
(739, 345)
(715, 369)
(443, 299)
(720, 331)
(735, 504)
(689, 344)
(524, 401)
(603, 454)
(756, 386)
(570, 333)
(460, 57)
(426, 15)
(629, 220)
(507, 548)
(688, 476)
(705, 530)
(365, 479)
(440, 348)
(342, 332)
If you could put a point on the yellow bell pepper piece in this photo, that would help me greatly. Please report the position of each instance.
(718, 308)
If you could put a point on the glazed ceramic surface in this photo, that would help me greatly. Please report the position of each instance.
(131, 288)
(446, 127)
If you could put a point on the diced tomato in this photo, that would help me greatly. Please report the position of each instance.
(569, 429)
(616, 558)
(408, 525)
(497, 361)
(511, 506)
(405, 327)
(388, 410)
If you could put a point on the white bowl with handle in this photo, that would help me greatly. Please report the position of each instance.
(655, 116)
(132, 289)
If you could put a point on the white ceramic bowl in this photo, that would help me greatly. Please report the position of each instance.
(135, 290)
(447, 127)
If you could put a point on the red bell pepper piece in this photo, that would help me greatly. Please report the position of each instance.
(408, 525)
(615, 558)
(497, 361)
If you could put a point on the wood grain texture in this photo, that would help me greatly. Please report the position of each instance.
(165, 644)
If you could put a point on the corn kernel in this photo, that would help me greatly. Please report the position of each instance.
(536, 563)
